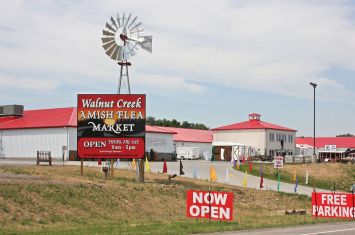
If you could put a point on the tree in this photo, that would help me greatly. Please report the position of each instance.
(174, 123)
(345, 135)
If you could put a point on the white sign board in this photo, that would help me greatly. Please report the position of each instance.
(278, 162)
(330, 147)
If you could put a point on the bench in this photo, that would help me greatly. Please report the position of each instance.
(44, 156)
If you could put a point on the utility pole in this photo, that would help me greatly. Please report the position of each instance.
(314, 85)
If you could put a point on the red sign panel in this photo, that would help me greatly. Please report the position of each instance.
(209, 205)
(333, 205)
(111, 126)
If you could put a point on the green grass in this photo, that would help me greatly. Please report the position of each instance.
(319, 179)
(60, 201)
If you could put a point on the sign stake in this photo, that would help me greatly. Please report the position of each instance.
(112, 161)
(82, 166)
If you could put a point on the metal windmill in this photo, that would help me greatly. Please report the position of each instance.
(121, 40)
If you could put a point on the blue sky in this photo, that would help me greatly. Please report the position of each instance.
(213, 62)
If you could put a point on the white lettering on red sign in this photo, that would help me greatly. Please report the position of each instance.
(213, 205)
(333, 205)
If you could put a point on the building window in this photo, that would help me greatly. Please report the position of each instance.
(290, 138)
(271, 137)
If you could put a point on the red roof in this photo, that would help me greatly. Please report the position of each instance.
(252, 124)
(340, 142)
(49, 118)
(4, 119)
(155, 129)
(191, 135)
(42, 118)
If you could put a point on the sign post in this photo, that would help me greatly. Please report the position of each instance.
(111, 126)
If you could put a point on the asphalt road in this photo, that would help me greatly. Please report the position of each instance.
(202, 169)
(324, 229)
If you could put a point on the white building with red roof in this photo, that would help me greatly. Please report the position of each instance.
(263, 137)
(24, 133)
(325, 147)
(186, 137)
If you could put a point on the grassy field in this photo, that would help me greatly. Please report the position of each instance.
(321, 175)
(57, 200)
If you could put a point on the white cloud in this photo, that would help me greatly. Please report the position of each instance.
(169, 84)
(25, 83)
(275, 46)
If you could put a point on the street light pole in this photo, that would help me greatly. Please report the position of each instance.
(314, 85)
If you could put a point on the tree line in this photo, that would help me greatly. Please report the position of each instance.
(174, 123)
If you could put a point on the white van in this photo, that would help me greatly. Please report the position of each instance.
(187, 153)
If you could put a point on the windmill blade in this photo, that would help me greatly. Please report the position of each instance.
(118, 20)
(107, 39)
(123, 19)
(120, 54)
(147, 43)
(126, 54)
(129, 17)
(113, 22)
(107, 33)
(136, 28)
(108, 26)
(109, 51)
(115, 53)
(108, 45)
(130, 46)
(135, 18)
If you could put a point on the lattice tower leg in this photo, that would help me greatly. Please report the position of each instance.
(124, 78)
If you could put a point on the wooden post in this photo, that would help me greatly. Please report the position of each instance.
(111, 175)
(82, 166)
(141, 171)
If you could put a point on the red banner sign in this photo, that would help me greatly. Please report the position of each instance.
(333, 205)
(209, 205)
(111, 126)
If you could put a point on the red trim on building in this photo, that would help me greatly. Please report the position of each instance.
(42, 118)
(252, 124)
(191, 135)
(340, 142)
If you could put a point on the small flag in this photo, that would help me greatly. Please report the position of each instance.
(296, 185)
(181, 171)
(294, 174)
(227, 175)
(117, 163)
(147, 167)
(134, 164)
(278, 181)
(261, 177)
(245, 180)
(243, 159)
(165, 167)
(194, 175)
(99, 162)
(222, 154)
(250, 165)
(307, 175)
(235, 164)
(213, 176)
